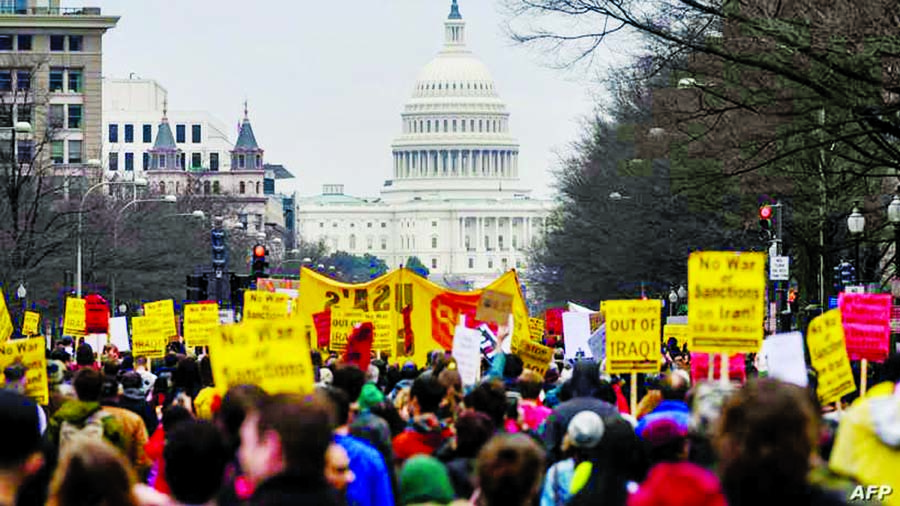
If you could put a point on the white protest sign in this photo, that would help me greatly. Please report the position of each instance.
(467, 352)
(576, 333)
(784, 358)
(118, 333)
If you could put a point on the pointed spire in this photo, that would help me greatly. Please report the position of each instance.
(164, 138)
(454, 11)
(246, 141)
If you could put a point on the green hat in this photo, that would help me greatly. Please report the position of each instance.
(424, 479)
(369, 396)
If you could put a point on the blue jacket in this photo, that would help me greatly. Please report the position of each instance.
(677, 411)
(372, 486)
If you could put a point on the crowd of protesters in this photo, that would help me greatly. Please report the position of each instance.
(120, 431)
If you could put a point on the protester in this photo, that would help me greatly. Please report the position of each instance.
(765, 440)
(195, 456)
(533, 412)
(92, 472)
(510, 469)
(473, 431)
(20, 452)
(584, 433)
(85, 415)
(283, 447)
(133, 400)
(617, 465)
(372, 483)
(679, 485)
(673, 390)
(867, 442)
(425, 433)
(337, 470)
(586, 389)
(424, 480)
(155, 447)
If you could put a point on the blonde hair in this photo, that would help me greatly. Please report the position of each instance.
(92, 472)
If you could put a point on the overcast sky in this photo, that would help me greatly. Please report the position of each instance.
(327, 80)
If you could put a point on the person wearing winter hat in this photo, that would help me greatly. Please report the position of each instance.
(695, 487)
(134, 400)
(424, 480)
(584, 433)
(666, 441)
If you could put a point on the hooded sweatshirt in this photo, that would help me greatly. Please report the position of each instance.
(867, 444)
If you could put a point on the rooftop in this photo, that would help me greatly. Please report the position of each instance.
(48, 11)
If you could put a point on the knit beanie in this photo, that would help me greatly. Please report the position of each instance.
(56, 371)
(695, 487)
(369, 396)
(424, 479)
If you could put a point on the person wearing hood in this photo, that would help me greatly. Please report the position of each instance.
(425, 433)
(867, 443)
(587, 391)
(134, 400)
(59, 390)
(86, 407)
(424, 481)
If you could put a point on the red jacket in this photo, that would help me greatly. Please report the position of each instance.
(424, 437)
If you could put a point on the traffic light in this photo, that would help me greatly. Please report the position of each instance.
(219, 250)
(765, 223)
(197, 288)
(259, 264)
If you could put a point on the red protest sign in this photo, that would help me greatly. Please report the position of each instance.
(737, 367)
(322, 322)
(867, 325)
(359, 346)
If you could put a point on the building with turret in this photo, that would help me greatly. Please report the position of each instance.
(454, 198)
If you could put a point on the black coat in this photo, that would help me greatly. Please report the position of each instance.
(287, 490)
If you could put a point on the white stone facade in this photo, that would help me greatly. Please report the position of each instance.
(455, 200)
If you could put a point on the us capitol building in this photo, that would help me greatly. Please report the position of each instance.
(455, 200)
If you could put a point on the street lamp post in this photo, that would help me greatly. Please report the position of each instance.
(893, 212)
(856, 224)
(673, 300)
(169, 199)
(135, 183)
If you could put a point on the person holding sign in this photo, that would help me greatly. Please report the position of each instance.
(867, 443)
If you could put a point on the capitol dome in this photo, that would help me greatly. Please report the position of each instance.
(455, 128)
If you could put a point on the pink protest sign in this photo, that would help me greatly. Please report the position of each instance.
(867, 325)
(737, 367)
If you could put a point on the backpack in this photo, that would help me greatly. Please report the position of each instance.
(91, 429)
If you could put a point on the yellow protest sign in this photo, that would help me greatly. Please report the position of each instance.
(494, 307)
(30, 324)
(75, 322)
(265, 306)
(677, 330)
(343, 321)
(536, 329)
(633, 336)
(535, 356)
(726, 301)
(271, 354)
(828, 354)
(201, 321)
(163, 313)
(31, 354)
(147, 339)
(423, 316)
(6, 324)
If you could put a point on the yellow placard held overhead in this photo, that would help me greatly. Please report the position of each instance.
(31, 354)
(271, 354)
(828, 354)
(344, 320)
(535, 356)
(75, 321)
(726, 301)
(633, 336)
(163, 313)
(677, 330)
(265, 306)
(494, 307)
(147, 339)
(201, 321)
(30, 324)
